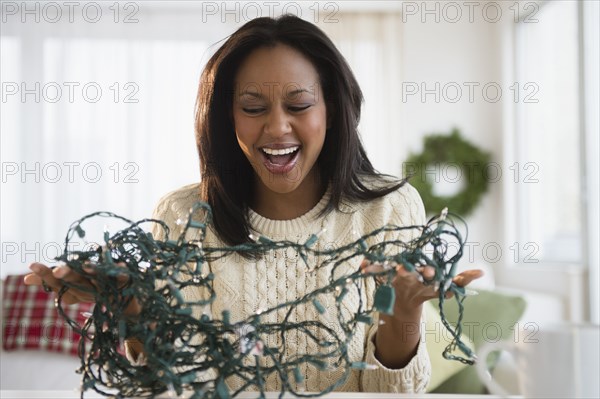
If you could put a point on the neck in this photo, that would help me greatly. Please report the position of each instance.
(287, 206)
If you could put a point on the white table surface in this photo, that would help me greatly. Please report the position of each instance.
(5, 394)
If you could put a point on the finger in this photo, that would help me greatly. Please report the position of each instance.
(466, 277)
(67, 274)
(32, 279)
(71, 297)
(44, 273)
(123, 278)
(82, 286)
(74, 295)
(428, 272)
(373, 268)
(62, 272)
(89, 268)
(401, 271)
(364, 264)
(85, 278)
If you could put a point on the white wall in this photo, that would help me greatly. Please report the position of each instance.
(457, 54)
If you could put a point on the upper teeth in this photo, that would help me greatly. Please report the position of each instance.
(282, 151)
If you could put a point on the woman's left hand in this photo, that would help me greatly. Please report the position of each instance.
(411, 293)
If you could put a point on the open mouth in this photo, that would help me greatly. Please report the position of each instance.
(280, 160)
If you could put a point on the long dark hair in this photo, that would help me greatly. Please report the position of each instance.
(227, 177)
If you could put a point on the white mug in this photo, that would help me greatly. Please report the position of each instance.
(559, 361)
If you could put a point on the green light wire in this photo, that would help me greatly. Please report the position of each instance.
(183, 352)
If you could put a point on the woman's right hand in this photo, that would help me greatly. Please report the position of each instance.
(54, 279)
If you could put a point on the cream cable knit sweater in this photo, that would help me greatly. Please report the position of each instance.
(244, 287)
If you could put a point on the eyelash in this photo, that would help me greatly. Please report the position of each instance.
(257, 110)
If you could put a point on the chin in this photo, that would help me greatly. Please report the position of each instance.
(282, 188)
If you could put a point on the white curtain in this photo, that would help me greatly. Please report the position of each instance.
(99, 116)
(371, 44)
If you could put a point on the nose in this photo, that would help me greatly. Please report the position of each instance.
(277, 123)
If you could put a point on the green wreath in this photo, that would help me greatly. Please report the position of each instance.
(450, 149)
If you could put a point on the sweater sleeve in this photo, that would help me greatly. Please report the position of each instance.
(404, 207)
(164, 211)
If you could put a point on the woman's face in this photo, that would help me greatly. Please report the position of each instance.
(280, 119)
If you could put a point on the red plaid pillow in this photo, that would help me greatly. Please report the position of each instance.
(32, 322)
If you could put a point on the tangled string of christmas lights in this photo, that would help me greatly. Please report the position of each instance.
(183, 352)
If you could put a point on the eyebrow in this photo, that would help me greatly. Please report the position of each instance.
(251, 94)
(298, 91)
(290, 94)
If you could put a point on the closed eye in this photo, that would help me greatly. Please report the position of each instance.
(298, 109)
(252, 110)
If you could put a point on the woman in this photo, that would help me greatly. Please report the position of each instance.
(280, 155)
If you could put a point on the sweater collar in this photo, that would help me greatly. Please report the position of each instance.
(285, 228)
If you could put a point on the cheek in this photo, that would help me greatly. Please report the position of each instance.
(315, 127)
(245, 133)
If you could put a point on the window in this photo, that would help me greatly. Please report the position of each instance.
(547, 167)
